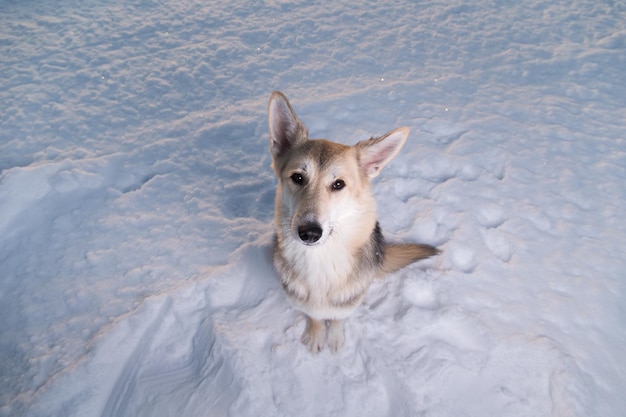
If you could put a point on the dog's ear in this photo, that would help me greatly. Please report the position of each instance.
(375, 153)
(286, 130)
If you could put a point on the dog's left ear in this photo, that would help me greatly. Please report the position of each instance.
(375, 153)
(286, 130)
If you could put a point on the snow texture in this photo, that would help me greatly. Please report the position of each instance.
(136, 203)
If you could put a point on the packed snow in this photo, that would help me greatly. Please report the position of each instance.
(136, 202)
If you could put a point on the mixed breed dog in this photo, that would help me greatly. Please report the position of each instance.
(328, 246)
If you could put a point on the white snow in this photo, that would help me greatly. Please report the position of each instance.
(136, 203)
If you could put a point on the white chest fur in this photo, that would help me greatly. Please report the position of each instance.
(323, 281)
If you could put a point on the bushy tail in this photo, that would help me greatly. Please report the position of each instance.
(399, 255)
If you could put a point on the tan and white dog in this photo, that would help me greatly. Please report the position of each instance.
(328, 244)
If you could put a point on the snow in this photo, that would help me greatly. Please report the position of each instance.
(136, 203)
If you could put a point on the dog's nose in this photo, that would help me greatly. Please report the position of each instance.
(310, 232)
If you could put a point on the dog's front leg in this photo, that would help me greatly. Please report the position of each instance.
(335, 335)
(313, 336)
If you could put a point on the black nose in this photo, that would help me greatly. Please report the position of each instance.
(310, 232)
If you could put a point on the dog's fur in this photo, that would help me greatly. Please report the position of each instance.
(328, 244)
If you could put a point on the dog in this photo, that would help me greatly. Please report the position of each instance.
(328, 245)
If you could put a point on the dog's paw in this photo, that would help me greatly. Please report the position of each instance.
(313, 336)
(336, 338)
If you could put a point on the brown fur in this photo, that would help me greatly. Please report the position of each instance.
(399, 255)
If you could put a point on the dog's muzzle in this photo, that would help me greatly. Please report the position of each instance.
(310, 232)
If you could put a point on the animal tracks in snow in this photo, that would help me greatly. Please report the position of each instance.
(490, 216)
(467, 229)
(463, 258)
(497, 243)
(444, 167)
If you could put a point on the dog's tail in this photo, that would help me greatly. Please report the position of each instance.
(399, 255)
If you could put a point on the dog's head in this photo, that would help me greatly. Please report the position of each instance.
(323, 186)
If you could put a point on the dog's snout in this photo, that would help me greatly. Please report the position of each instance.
(310, 232)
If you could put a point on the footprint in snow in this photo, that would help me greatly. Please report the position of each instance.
(463, 258)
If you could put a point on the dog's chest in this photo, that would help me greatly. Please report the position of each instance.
(325, 267)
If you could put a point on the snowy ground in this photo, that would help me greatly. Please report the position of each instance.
(136, 201)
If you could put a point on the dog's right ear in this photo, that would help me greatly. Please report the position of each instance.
(286, 130)
(377, 152)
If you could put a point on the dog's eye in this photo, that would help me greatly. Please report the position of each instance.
(338, 185)
(297, 178)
